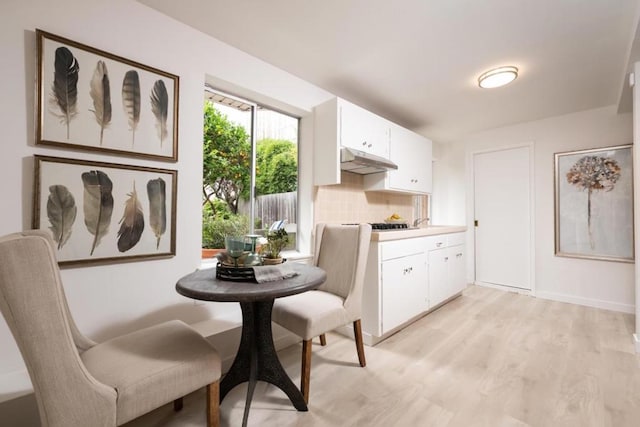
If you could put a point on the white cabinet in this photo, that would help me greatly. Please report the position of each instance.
(339, 123)
(406, 278)
(404, 289)
(395, 288)
(413, 155)
(447, 267)
(363, 130)
(457, 269)
(438, 276)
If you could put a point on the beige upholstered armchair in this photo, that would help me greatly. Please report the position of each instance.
(340, 250)
(77, 382)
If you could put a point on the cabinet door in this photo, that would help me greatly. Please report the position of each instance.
(412, 153)
(362, 130)
(404, 289)
(438, 276)
(399, 153)
(457, 269)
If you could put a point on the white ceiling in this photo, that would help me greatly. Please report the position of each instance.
(416, 62)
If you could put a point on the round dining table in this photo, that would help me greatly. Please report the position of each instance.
(256, 358)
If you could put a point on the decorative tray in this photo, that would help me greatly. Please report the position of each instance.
(235, 274)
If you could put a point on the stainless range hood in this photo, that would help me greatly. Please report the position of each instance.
(363, 163)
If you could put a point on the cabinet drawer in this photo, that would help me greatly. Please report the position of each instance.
(455, 239)
(436, 242)
(401, 248)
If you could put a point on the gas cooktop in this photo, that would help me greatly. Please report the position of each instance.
(385, 226)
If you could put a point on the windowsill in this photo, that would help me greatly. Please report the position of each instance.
(294, 256)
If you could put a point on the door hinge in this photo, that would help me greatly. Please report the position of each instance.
(475, 223)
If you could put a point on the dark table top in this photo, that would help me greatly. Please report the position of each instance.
(203, 285)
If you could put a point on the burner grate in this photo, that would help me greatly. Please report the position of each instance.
(389, 226)
(384, 226)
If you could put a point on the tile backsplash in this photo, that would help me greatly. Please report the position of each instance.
(349, 203)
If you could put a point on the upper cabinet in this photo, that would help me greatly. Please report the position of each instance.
(413, 155)
(362, 130)
(338, 123)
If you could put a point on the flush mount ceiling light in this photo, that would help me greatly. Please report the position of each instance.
(497, 77)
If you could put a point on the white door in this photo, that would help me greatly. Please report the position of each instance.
(502, 194)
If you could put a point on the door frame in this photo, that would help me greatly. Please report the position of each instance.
(471, 235)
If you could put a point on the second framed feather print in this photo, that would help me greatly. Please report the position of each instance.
(105, 212)
(92, 100)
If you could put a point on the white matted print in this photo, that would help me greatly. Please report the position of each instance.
(594, 204)
(92, 100)
(105, 212)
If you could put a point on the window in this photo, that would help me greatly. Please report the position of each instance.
(250, 169)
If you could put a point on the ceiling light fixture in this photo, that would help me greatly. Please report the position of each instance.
(497, 77)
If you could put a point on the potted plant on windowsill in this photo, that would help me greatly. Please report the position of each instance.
(276, 241)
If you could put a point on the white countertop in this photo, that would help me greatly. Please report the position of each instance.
(430, 230)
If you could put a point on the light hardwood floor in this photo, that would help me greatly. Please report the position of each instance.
(489, 358)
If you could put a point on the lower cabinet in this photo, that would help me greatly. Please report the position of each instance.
(447, 275)
(404, 289)
(447, 267)
(438, 272)
(408, 277)
(457, 271)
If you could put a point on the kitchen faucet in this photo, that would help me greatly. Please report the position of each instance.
(419, 221)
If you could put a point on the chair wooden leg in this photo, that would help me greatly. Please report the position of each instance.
(323, 339)
(213, 404)
(306, 369)
(178, 404)
(357, 332)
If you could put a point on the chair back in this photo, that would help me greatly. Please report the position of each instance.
(342, 251)
(33, 303)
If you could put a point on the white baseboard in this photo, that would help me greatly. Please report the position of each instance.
(504, 288)
(589, 302)
(14, 385)
(636, 338)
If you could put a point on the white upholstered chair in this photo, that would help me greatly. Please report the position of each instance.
(77, 382)
(340, 250)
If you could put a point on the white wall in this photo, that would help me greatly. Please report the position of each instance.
(588, 282)
(108, 300)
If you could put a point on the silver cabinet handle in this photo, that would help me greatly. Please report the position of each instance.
(438, 244)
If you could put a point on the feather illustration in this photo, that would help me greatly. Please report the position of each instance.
(101, 94)
(131, 223)
(157, 208)
(131, 100)
(98, 204)
(65, 85)
(61, 211)
(160, 108)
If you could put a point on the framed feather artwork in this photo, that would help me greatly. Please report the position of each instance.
(89, 99)
(101, 213)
